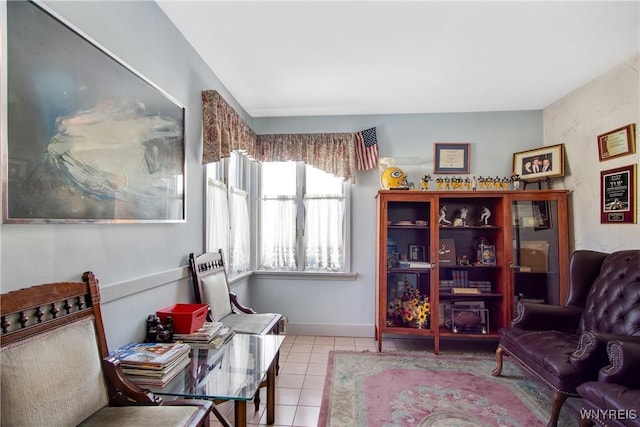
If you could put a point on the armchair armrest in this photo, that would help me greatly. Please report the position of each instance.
(545, 317)
(624, 368)
(591, 354)
(234, 300)
(126, 392)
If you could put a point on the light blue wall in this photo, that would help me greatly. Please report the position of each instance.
(145, 260)
(347, 307)
(141, 266)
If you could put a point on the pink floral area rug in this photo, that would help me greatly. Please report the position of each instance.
(420, 389)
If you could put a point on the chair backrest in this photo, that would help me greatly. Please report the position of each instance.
(51, 348)
(210, 283)
(613, 303)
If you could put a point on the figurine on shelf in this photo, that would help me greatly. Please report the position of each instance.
(463, 260)
(425, 182)
(474, 183)
(447, 183)
(443, 216)
(464, 213)
(481, 183)
(467, 184)
(515, 179)
(489, 182)
(485, 213)
(505, 183)
(439, 183)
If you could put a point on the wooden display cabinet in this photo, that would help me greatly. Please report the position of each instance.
(472, 270)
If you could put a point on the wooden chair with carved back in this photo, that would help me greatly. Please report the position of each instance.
(55, 369)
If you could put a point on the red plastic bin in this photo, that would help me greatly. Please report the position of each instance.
(187, 318)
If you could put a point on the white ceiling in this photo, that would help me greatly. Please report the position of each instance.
(307, 58)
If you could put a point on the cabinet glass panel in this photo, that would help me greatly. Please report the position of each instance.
(470, 262)
(408, 282)
(535, 251)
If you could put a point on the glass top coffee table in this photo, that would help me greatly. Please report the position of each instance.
(232, 372)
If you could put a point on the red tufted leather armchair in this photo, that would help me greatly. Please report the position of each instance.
(565, 346)
(614, 400)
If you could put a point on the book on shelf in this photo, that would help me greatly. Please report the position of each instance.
(150, 355)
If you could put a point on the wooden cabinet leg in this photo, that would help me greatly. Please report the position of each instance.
(498, 370)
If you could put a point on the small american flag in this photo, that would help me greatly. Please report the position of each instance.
(366, 149)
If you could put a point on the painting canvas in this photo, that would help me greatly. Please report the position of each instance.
(88, 139)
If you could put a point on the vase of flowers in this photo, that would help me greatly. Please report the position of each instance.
(413, 309)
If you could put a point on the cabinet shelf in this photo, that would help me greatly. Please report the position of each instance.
(469, 267)
(482, 295)
(471, 227)
(409, 270)
(515, 248)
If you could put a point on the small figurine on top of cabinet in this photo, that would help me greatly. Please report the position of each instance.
(474, 183)
(489, 182)
(443, 216)
(505, 182)
(467, 184)
(485, 213)
(439, 183)
(515, 179)
(424, 185)
(481, 183)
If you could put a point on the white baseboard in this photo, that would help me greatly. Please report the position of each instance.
(330, 329)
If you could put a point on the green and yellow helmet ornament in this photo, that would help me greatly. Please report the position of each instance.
(393, 178)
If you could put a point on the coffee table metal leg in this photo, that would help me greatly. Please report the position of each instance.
(240, 413)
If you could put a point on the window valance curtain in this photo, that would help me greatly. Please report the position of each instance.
(330, 152)
(225, 131)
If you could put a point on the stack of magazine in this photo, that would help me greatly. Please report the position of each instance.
(212, 334)
(153, 364)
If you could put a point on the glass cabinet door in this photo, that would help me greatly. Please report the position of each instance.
(536, 266)
(408, 283)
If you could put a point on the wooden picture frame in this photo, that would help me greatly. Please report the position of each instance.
(97, 143)
(539, 164)
(416, 252)
(618, 203)
(617, 143)
(450, 158)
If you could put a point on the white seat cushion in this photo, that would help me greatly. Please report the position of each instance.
(141, 416)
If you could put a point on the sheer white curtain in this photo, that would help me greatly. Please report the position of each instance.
(278, 229)
(324, 223)
(238, 258)
(217, 223)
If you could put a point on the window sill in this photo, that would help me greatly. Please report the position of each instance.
(306, 275)
(240, 277)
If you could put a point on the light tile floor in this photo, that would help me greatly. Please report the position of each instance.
(303, 365)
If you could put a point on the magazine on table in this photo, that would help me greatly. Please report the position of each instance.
(144, 380)
(205, 334)
(150, 355)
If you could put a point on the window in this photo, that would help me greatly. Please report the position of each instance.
(302, 215)
(228, 223)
